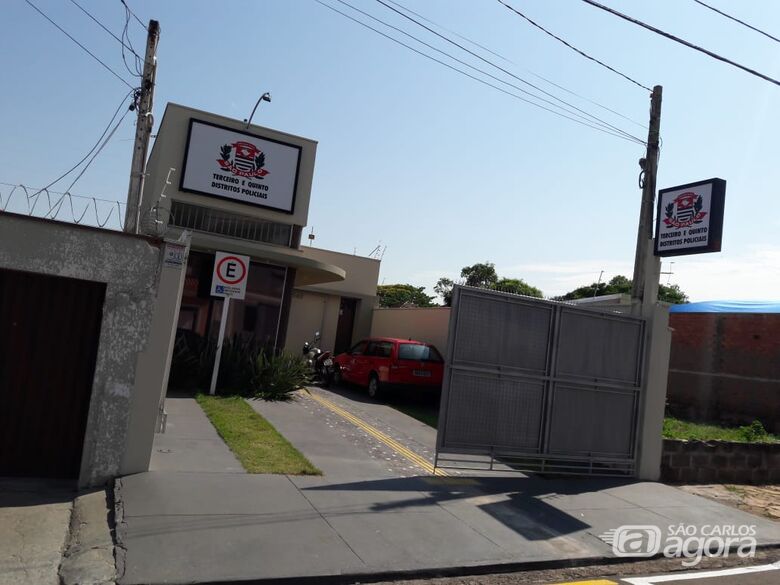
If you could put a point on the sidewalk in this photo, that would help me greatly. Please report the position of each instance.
(364, 516)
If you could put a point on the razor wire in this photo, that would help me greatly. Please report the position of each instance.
(46, 204)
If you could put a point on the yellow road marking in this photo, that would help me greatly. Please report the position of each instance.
(380, 436)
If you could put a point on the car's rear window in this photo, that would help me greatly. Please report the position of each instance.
(415, 351)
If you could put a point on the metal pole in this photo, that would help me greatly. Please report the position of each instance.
(143, 130)
(650, 167)
(220, 339)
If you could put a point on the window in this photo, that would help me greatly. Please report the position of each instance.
(358, 348)
(418, 352)
(380, 349)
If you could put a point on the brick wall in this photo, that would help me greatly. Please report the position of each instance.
(725, 367)
(720, 462)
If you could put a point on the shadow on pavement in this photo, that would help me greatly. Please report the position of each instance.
(21, 491)
(517, 502)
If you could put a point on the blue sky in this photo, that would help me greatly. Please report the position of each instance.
(442, 170)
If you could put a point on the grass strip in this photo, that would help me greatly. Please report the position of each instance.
(255, 442)
(675, 428)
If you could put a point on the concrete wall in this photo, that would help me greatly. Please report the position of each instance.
(311, 312)
(429, 324)
(316, 307)
(720, 462)
(725, 367)
(124, 394)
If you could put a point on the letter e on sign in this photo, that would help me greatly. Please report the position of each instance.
(230, 275)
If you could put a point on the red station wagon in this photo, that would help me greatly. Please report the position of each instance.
(380, 362)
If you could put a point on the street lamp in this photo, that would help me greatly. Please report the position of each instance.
(266, 97)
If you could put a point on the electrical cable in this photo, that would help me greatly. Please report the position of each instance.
(86, 166)
(90, 53)
(508, 60)
(101, 25)
(735, 19)
(682, 41)
(482, 81)
(91, 150)
(572, 47)
(481, 58)
(126, 35)
(483, 72)
(134, 16)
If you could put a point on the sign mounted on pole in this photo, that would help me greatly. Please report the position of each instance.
(690, 218)
(230, 275)
(234, 164)
(231, 272)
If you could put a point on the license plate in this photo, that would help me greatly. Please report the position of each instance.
(421, 373)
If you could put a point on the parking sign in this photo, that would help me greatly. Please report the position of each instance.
(230, 275)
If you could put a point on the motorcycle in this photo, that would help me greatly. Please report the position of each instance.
(320, 362)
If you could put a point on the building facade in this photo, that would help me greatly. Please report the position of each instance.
(245, 190)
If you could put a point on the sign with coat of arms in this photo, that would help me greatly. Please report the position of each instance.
(690, 218)
(233, 164)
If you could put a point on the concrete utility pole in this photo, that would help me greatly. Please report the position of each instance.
(644, 238)
(143, 130)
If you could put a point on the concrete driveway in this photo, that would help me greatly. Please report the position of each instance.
(375, 511)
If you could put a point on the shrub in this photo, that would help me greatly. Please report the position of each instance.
(278, 376)
(246, 368)
(753, 432)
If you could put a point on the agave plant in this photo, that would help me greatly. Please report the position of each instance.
(278, 376)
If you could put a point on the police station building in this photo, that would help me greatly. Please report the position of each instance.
(246, 190)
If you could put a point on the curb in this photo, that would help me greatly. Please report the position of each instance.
(460, 571)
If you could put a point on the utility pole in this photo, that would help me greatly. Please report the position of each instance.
(143, 130)
(644, 238)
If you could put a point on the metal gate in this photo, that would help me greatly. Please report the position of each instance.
(539, 385)
(49, 330)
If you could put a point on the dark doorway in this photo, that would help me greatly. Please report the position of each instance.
(345, 325)
(49, 333)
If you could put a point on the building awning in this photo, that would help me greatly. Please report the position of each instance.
(308, 270)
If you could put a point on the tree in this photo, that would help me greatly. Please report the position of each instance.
(622, 285)
(443, 288)
(672, 294)
(403, 295)
(481, 275)
(517, 286)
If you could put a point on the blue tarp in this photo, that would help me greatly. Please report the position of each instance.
(728, 307)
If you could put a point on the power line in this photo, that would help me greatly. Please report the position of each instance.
(572, 47)
(133, 15)
(90, 53)
(91, 150)
(682, 41)
(508, 60)
(482, 81)
(101, 25)
(126, 35)
(481, 58)
(735, 19)
(483, 72)
(417, 14)
(91, 160)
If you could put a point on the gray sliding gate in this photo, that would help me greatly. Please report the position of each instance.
(539, 385)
